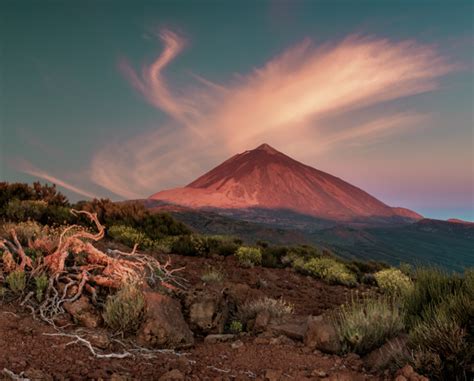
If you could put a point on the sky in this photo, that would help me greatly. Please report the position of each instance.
(122, 99)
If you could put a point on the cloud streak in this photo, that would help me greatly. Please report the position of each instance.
(281, 103)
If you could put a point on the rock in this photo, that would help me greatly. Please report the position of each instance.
(83, 312)
(237, 344)
(321, 334)
(218, 338)
(34, 374)
(400, 378)
(273, 375)
(164, 325)
(381, 357)
(207, 311)
(172, 375)
(261, 340)
(406, 371)
(99, 340)
(119, 377)
(319, 373)
(281, 340)
(261, 321)
(294, 331)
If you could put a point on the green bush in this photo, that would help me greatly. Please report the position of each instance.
(25, 231)
(190, 245)
(431, 287)
(249, 256)
(364, 325)
(272, 256)
(393, 282)
(236, 327)
(330, 270)
(41, 283)
(123, 311)
(130, 236)
(16, 281)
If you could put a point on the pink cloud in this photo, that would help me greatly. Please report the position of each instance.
(26, 167)
(281, 103)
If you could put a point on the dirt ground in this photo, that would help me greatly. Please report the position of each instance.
(26, 347)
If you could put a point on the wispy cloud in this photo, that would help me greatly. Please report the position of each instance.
(26, 167)
(280, 103)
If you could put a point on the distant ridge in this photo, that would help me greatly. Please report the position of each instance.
(266, 178)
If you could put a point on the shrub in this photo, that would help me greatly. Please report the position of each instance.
(275, 307)
(130, 236)
(222, 245)
(212, 275)
(364, 325)
(249, 256)
(123, 311)
(301, 254)
(272, 256)
(3, 292)
(189, 245)
(393, 282)
(41, 283)
(16, 281)
(25, 231)
(330, 270)
(431, 287)
(236, 327)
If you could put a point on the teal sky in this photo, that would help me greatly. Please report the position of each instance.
(78, 104)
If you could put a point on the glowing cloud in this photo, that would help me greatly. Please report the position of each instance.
(281, 103)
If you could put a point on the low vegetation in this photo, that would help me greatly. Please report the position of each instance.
(364, 325)
(330, 270)
(393, 282)
(275, 307)
(249, 256)
(16, 281)
(212, 275)
(123, 311)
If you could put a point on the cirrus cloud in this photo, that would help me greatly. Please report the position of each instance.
(281, 103)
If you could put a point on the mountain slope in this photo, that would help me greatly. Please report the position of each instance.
(266, 178)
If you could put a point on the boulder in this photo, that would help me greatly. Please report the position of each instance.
(294, 331)
(84, 312)
(381, 357)
(207, 310)
(321, 334)
(164, 325)
(172, 375)
(261, 321)
(218, 338)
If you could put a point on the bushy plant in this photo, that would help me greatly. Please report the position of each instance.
(25, 231)
(364, 325)
(393, 282)
(431, 287)
(16, 281)
(236, 327)
(41, 283)
(212, 275)
(330, 270)
(123, 311)
(249, 256)
(275, 307)
(302, 253)
(130, 236)
(190, 245)
(272, 256)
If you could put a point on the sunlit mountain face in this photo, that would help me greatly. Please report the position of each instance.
(266, 178)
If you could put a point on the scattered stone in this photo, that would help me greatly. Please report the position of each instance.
(262, 341)
(164, 325)
(321, 334)
(172, 375)
(407, 371)
(83, 312)
(400, 378)
(99, 340)
(207, 310)
(218, 338)
(381, 357)
(281, 340)
(237, 344)
(37, 375)
(273, 375)
(294, 331)
(319, 373)
(261, 321)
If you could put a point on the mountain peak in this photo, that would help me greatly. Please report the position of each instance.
(267, 148)
(266, 178)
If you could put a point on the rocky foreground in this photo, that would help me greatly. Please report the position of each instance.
(193, 322)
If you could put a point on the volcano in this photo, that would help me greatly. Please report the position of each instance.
(264, 178)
